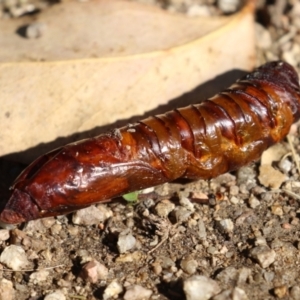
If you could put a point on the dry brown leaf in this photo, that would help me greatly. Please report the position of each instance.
(102, 61)
(270, 177)
(274, 154)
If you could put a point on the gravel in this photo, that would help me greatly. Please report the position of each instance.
(228, 238)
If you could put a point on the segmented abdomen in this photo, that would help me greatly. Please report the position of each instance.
(229, 130)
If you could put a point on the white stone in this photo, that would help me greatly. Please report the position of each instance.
(57, 295)
(239, 294)
(200, 288)
(4, 234)
(253, 201)
(14, 257)
(89, 216)
(126, 242)
(137, 292)
(263, 255)
(112, 290)
(227, 225)
(6, 290)
(38, 277)
(164, 207)
(228, 6)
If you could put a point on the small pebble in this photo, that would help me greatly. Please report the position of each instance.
(157, 268)
(266, 197)
(94, 271)
(244, 188)
(258, 190)
(4, 234)
(228, 6)
(166, 262)
(48, 222)
(247, 216)
(7, 291)
(243, 275)
(201, 230)
(57, 295)
(234, 190)
(64, 283)
(286, 226)
(17, 11)
(277, 210)
(137, 292)
(189, 265)
(112, 290)
(226, 225)
(126, 241)
(223, 179)
(295, 221)
(228, 275)
(239, 294)
(17, 237)
(182, 214)
(73, 230)
(280, 291)
(186, 202)
(246, 175)
(253, 202)
(269, 276)
(23, 288)
(263, 255)
(130, 222)
(164, 207)
(200, 288)
(260, 240)
(35, 30)
(38, 225)
(225, 295)
(84, 256)
(167, 277)
(234, 200)
(285, 165)
(89, 216)
(211, 250)
(295, 292)
(277, 244)
(39, 277)
(14, 257)
(55, 229)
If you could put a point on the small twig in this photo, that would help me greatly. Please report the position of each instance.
(77, 297)
(159, 244)
(33, 270)
(290, 193)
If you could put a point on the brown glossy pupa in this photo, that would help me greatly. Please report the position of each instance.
(218, 135)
